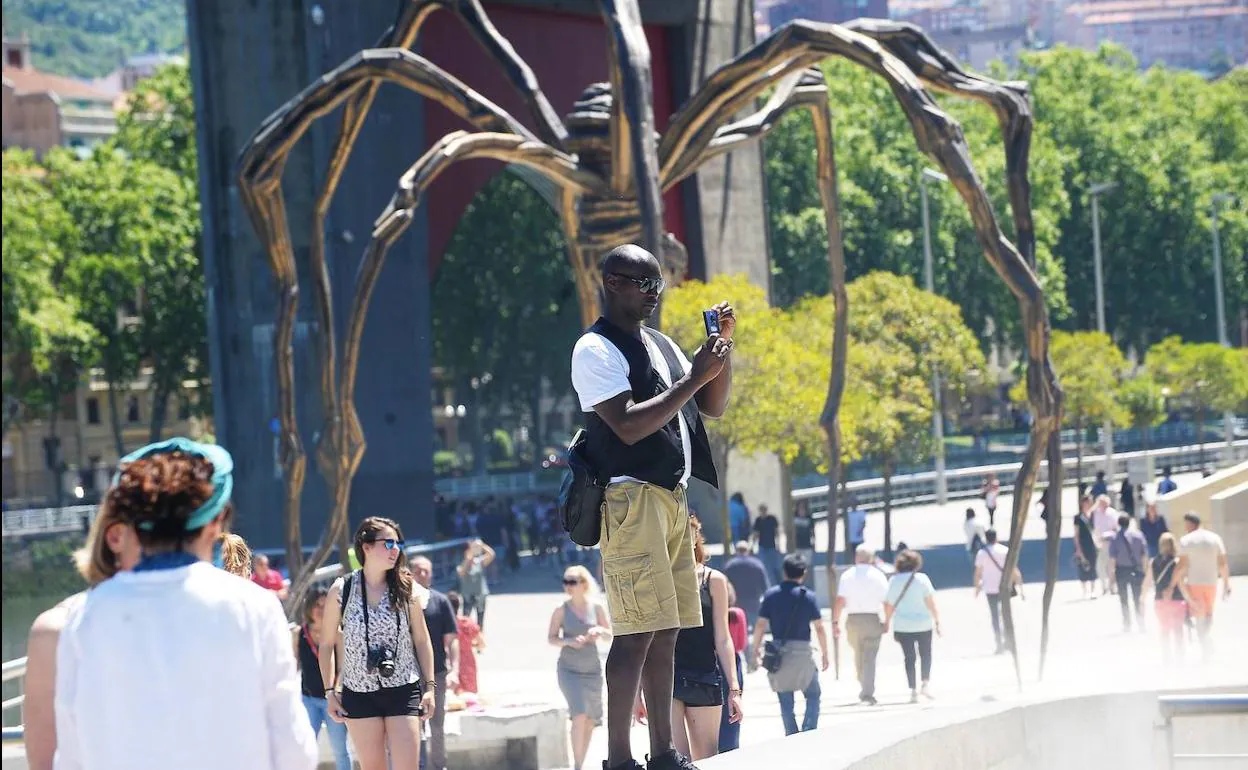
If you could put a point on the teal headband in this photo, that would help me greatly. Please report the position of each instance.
(222, 475)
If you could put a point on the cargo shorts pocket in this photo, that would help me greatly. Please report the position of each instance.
(631, 593)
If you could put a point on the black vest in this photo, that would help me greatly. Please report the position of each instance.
(658, 458)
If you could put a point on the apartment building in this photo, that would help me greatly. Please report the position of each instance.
(1204, 35)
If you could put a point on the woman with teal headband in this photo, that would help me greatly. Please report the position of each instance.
(177, 663)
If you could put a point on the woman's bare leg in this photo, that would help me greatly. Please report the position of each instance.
(680, 736)
(703, 722)
(403, 734)
(368, 736)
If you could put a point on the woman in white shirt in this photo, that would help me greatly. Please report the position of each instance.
(178, 663)
(111, 547)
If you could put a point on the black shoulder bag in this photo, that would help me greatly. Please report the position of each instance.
(773, 649)
(581, 495)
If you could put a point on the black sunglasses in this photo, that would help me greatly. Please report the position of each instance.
(571, 581)
(390, 543)
(647, 285)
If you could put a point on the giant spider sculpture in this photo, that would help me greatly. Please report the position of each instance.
(610, 168)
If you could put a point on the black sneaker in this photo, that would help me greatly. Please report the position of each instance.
(670, 760)
(631, 764)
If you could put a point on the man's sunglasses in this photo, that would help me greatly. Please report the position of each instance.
(390, 543)
(647, 285)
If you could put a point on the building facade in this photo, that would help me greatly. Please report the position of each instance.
(42, 111)
(1205, 35)
(835, 11)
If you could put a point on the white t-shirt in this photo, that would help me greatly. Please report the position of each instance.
(600, 372)
(863, 587)
(189, 668)
(972, 527)
(1202, 549)
(990, 573)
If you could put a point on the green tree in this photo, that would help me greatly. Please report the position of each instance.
(158, 123)
(1207, 376)
(87, 38)
(1090, 368)
(46, 346)
(505, 312)
(1142, 399)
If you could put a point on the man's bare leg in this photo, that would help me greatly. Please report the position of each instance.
(624, 671)
(656, 682)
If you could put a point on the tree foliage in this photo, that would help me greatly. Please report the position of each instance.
(90, 38)
(1168, 138)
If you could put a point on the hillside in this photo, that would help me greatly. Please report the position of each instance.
(90, 38)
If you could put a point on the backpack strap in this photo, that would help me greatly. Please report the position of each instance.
(342, 600)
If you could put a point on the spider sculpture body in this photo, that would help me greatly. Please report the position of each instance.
(610, 168)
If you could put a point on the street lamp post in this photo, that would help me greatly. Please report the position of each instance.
(938, 423)
(1228, 418)
(1094, 192)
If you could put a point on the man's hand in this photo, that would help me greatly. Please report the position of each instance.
(975, 595)
(824, 664)
(836, 630)
(1226, 589)
(708, 362)
(727, 320)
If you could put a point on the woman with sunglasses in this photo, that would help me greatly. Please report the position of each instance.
(576, 627)
(382, 683)
(111, 547)
(178, 663)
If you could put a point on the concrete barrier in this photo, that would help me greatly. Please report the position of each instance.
(1228, 516)
(508, 738)
(1196, 498)
(1118, 730)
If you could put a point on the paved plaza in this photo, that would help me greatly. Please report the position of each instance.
(1088, 652)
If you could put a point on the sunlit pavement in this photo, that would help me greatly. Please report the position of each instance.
(1088, 653)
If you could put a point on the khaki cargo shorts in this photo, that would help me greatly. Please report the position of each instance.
(647, 559)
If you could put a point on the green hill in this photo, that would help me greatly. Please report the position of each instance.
(90, 38)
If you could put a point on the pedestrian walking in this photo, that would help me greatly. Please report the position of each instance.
(749, 581)
(730, 729)
(307, 655)
(1126, 496)
(643, 401)
(1169, 595)
(444, 636)
(1166, 485)
(990, 578)
(739, 517)
(990, 491)
(473, 585)
(705, 662)
(1100, 486)
(1202, 560)
(1104, 527)
(469, 641)
(856, 518)
(383, 682)
(139, 664)
(1086, 553)
(1152, 527)
(860, 593)
(576, 627)
(766, 536)
(790, 611)
(910, 609)
(804, 532)
(973, 530)
(1127, 554)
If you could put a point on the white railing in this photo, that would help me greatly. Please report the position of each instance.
(46, 521)
(1193, 707)
(444, 555)
(498, 484)
(965, 482)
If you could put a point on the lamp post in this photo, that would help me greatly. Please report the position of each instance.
(1093, 192)
(938, 423)
(1228, 418)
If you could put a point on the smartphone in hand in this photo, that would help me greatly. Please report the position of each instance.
(711, 319)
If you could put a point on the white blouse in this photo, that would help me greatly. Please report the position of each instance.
(188, 668)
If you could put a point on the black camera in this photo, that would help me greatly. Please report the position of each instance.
(381, 660)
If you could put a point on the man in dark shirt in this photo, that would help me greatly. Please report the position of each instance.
(444, 633)
(766, 529)
(749, 580)
(1166, 485)
(1127, 553)
(790, 611)
(1099, 487)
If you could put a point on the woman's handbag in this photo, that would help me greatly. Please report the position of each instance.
(699, 688)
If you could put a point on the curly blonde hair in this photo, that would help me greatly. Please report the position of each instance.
(235, 555)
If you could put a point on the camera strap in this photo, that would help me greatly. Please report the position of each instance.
(364, 602)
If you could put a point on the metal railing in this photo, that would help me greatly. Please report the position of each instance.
(1194, 706)
(445, 556)
(46, 521)
(966, 482)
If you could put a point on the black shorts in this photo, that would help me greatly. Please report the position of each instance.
(699, 688)
(402, 701)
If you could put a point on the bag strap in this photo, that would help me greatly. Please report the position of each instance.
(905, 588)
(1169, 568)
(988, 549)
(342, 600)
(1127, 544)
(788, 625)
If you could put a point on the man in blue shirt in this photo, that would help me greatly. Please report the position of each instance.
(1166, 485)
(790, 611)
(739, 517)
(857, 520)
(1099, 487)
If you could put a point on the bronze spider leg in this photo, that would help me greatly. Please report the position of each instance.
(1012, 104)
(634, 153)
(260, 170)
(803, 43)
(808, 90)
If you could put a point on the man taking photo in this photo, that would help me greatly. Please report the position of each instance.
(644, 402)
